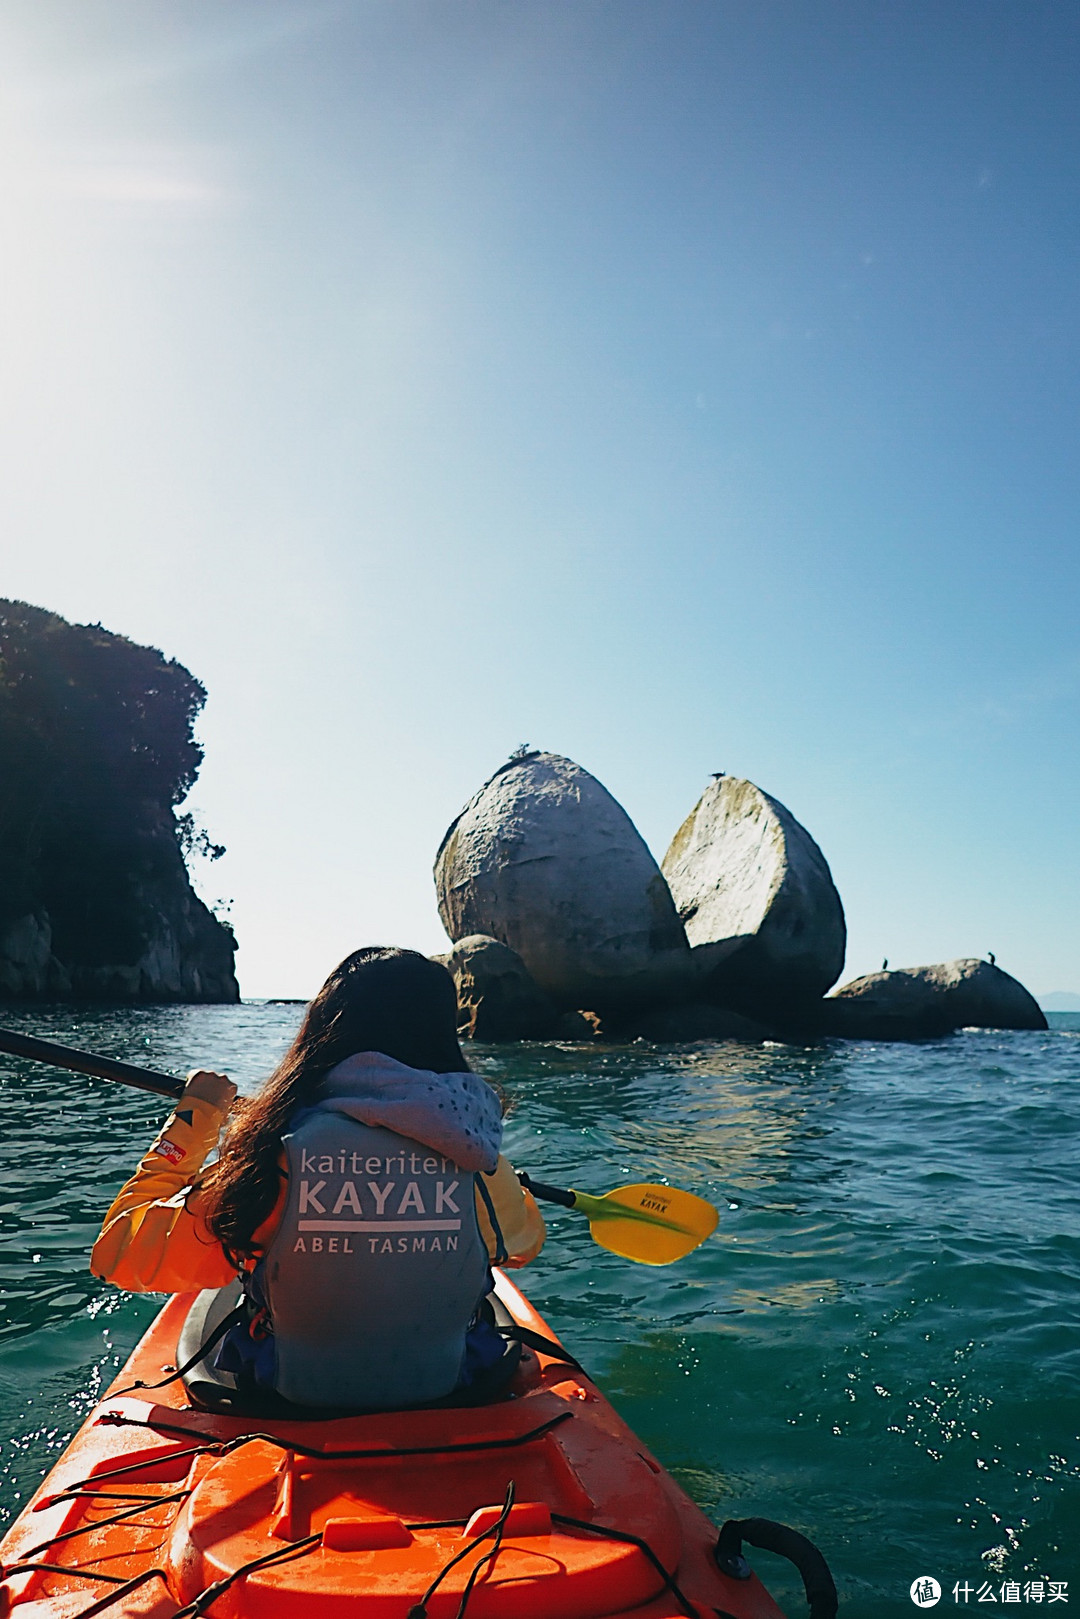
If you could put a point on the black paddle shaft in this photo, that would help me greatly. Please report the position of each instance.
(547, 1194)
(82, 1062)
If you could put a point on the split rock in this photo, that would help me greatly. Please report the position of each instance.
(755, 896)
(544, 860)
(921, 1002)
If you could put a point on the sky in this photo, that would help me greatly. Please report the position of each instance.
(678, 385)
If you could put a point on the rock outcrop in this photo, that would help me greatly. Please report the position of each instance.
(497, 997)
(556, 905)
(544, 860)
(756, 898)
(96, 752)
(918, 1003)
(187, 956)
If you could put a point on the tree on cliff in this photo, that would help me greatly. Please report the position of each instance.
(96, 751)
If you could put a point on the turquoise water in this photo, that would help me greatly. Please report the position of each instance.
(880, 1346)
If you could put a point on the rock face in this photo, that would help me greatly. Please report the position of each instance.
(188, 956)
(497, 998)
(96, 752)
(923, 1002)
(544, 860)
(756, 898)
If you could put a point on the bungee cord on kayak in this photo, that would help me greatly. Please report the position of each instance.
(201, 1604)
(119, 1483)
(420, 1609)
(314, 1453)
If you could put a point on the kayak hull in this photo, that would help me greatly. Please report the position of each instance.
(542, 1505)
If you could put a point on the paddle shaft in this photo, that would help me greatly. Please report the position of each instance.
(82, 1062)
(547, 1194)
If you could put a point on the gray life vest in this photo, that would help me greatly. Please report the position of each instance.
(376, 1269)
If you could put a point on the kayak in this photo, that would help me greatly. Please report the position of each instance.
(540, 1505)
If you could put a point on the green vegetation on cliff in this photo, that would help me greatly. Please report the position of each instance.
(96, 752)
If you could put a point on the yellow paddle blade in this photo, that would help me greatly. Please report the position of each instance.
(653, 1224)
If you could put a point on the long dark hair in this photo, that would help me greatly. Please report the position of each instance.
(394, 1001)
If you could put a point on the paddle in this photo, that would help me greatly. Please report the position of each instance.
(654, 1225)
(81, 1062)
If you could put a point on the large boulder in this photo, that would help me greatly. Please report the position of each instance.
(915, 1003)
(756, 898)
(544, 860)
(497, 997)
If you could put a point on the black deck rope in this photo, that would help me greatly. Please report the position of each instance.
(419, 1609)
(233, 1319)
(59, 1568)
(642, 1545)
(83, 1488)
(206, 1598)
(488, 1558)
(312, 1453)
(545, 1346)
(123, 1591)
(94, 1495)
(107, 1523)
(211, 1448)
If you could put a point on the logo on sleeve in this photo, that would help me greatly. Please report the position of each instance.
(169, 1149)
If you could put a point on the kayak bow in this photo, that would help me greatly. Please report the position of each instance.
(542, 1505)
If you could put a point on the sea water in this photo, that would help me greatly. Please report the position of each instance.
(880, 1345)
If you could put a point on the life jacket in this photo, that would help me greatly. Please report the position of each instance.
(378, 1265)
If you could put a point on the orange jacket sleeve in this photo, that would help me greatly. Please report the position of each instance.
(153, 1239)
(520, 1221)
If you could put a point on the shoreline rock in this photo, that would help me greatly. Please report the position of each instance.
(918, 1003)
(96, 737)
(497, 997)
(188, 957)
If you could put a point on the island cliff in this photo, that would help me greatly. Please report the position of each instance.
(96, 753)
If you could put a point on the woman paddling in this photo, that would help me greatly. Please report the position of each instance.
(361, 1195)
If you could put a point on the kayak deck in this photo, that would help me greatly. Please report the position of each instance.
(543, 1505)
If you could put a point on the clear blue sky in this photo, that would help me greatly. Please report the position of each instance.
(680, 386)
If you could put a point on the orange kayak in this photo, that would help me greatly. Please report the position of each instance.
(543, 1505)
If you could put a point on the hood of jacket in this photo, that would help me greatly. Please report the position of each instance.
(458, 1115)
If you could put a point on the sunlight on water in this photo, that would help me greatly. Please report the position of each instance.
(879, 1346)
